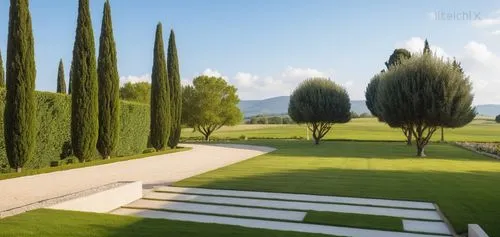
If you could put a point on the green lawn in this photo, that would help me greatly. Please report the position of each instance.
(355, 220)
(27, 172)
(356, 129)
(53, 223)
(464, 184)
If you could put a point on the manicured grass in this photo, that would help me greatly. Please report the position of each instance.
(356, 129)
(53, 223)
(464, 184)
(354, 220)
(27, 172)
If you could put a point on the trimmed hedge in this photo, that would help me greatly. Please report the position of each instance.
(53, 129)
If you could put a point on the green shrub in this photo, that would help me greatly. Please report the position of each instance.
(497, 118)
(148, 150)
(53, 129)
(54, 163)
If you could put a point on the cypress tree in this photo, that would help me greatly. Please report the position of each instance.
(70, 78)
(84, 102)
(160, 98)
(427, 48)
(109, 91)
(61, 83)
(2, 79)
(174, 80)
(19, 115)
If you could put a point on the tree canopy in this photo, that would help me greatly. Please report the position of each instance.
(397, 57)
(426, 93)
(209, 104)
(319, 103)
(138, 92)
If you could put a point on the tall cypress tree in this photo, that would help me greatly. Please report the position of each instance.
(84, 102)
(2, 79)
(19, 115)
(109, 91)
(427, 48)
(160, 98)
(174, 80)
(70, 78)
(61, 83)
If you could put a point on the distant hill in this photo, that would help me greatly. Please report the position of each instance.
(279, 105)
(488, 110)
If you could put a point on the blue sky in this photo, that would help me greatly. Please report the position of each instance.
(266, 48)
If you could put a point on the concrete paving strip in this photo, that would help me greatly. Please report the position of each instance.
(426, 227)
(218, 209)
(302, 197)
(271, 225)
(303, 206)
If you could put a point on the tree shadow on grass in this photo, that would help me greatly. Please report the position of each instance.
(366, 149)
(464, 197)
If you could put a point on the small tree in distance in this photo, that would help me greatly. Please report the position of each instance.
(61, 83)
(319, 103)
(2, 73)
(497, 118)
(426, 93)
(210, 104)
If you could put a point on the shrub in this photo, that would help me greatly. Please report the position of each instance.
(53, 129)
(54, 163)
(149, 150)
(497, 118)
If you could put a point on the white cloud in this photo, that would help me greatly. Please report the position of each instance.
(482, 66)
(416, 45)
(486, 22)
(496, 32)
(301, 73)
(135, 79)
(213, 73)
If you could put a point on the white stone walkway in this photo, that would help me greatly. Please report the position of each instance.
(284, 211)
(301, 197)
(217, 209)
(303, 206)
(271, 225)
(156, 170)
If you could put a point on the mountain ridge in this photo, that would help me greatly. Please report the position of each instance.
(279, 105)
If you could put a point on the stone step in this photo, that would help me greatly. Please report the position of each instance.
(218, 209)
(426, 227)
(294, 205)
(301, 197)
(271, 225)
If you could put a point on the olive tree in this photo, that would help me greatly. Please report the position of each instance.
(426, 93)
(209, 104)
(319, 103)
(371, 104)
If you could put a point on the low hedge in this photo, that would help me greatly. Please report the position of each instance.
(53, 129)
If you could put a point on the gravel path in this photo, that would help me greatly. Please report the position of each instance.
(152, 171)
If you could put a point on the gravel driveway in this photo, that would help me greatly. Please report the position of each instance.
(156, 170)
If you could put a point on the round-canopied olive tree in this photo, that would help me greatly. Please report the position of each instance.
(371, 104)
(319, 103)
(426, 93)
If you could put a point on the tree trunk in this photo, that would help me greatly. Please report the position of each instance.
(442, 134)
(107, 157)
(207, 137)
(420, 151)
(19, 169)
(408, 137)
(316, 141)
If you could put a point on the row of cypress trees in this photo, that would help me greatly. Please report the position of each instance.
(94, 89)
(165, 127)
